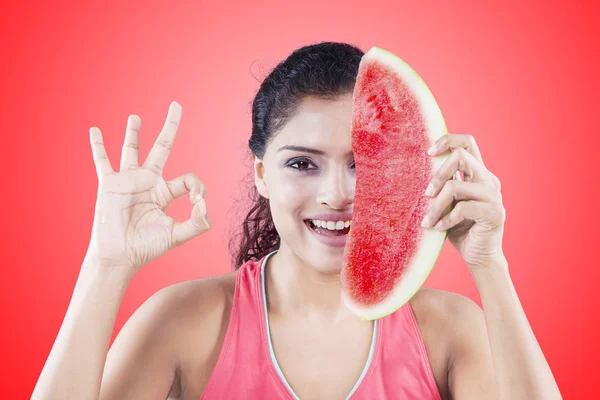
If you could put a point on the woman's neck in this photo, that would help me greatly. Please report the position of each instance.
(295, 287)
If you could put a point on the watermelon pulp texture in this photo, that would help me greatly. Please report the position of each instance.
(388, 255)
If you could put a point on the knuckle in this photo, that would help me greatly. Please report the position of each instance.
(132, 145)
(164, 143)
(499, 211)
(449, 186)
(170, 189)
(190, 177)
(458, 208)
(194, 185)
(502, 211)
(462, 153)
(156, 169)
(454, 187)
(455, 156)
(497, 182)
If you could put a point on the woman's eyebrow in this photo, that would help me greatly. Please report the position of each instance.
(308, 150)
(302, 149)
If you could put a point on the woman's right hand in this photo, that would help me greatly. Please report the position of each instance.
(130, 226)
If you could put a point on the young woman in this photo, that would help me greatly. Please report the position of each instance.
(275, 328)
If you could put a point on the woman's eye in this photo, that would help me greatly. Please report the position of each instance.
(301, 164)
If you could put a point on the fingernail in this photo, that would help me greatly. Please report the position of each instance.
(438, 226)
(431, 150)
(425, 222)
(429, 191)
(197, 198)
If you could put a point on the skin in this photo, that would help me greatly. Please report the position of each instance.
(491, 355)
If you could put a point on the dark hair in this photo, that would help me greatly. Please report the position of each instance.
(325, 70)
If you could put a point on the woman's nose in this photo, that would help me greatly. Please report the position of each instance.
(337, 189)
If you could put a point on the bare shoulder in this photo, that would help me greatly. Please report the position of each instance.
(441, 304)
(442, 311)
(204, 306)
(172, 340)
(197, 313)
(191, 304)
(442, 316)
(196, 298)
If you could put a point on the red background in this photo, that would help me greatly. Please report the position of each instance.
(522, 79)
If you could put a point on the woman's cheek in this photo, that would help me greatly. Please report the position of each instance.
(294, 189)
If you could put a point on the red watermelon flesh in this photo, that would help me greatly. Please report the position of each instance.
(388, 255)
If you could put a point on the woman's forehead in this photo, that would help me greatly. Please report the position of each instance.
(319, 123)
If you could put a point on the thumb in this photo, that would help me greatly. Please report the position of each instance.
(196, 225)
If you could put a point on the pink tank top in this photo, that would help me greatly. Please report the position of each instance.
(397, 367)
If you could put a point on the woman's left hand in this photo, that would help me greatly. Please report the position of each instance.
(475, 224)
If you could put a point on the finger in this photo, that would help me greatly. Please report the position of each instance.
(459, 161)
(453, 191)
(455, 140)
(101, 160)
(196, 225)
(486, 214)
(164, 142)
(131, 145)
(188, 183)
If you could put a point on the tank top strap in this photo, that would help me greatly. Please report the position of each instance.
(243, 366)
(403, 360)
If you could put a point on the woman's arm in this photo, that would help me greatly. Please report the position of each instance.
(74, 368)
(519, 366)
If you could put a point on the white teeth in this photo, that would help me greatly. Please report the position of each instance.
(332, 225)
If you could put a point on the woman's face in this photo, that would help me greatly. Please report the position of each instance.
(308, 175)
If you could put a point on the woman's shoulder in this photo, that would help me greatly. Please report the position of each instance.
(199, 304)
(195, 315)
(441, 316)
(442, 311)
(197, 292)
(440, 305)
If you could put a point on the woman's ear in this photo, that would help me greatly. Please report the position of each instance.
(259, 177)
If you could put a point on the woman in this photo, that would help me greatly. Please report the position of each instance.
(275, 328)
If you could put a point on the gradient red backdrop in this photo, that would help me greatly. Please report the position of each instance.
(521, 78)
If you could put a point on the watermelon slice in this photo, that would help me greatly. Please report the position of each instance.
(388, 255)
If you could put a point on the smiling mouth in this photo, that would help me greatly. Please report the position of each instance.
(329, 228)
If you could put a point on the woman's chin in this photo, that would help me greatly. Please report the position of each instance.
(327, 264)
